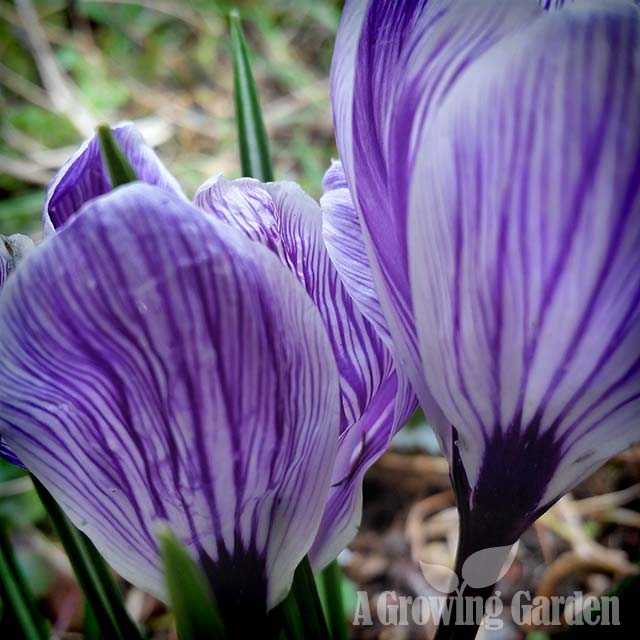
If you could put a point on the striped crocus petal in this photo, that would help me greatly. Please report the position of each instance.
(393, 65)
(524, 244)
(6, 261)
(374, 406)
(157, 367)
(13, 249)
(84, 176)
(6, 452)
(289, 222)
(346, 246)
(343, 239)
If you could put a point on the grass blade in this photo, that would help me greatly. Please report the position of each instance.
(305, 594)
(91, 572)
(330, 580)
(287, 616)
(90, 628)
(120, 170)
(17, 594)
(193, 604)
(252, 136)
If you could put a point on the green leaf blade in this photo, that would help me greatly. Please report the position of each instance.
(118, 166)
(17, 593)
(252, 135)
(301, 610)
(91, 572)
(331, 593)
(194, 608)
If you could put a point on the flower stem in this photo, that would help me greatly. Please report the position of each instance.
(453, 625)
(449, 629)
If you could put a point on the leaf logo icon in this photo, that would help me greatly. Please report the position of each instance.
(485, 567)
(439, 577)
(481, 569)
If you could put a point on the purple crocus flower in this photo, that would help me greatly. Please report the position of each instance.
(138, 299)
(492, 151)
(158, 367)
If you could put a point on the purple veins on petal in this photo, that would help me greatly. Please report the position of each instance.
(7, 453)
(496, 185)
(374, 405)
(6, 262)
(84, 176)
(524, 237)
(287, 221)
(334, 178)
(160, 368)
(13, 249)
(393, 64)
(345, 245)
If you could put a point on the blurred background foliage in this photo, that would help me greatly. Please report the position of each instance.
(67, 65)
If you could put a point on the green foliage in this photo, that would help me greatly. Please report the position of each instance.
(90, 626)
(169, 62)
(49, 128)
(16, 592)
(334, 592)
(101, 94)
(252, 136)
(92, 573)
(303, 608)
(20, 212)
(120, 171)
(19, 503)
(192, 602)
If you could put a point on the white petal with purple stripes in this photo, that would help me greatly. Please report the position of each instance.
(394, 63)
(158, 367)
(495, 183)
(342, 234)
(13, 249)
(285, 219)
(524, 244)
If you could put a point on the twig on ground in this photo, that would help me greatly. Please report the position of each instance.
(63, 97)
(597, 505)
(564, 519)
(24, 88)
(25, 171)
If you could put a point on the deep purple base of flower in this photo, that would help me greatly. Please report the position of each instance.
(239, 585)
(504, 502)
(518, 465)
